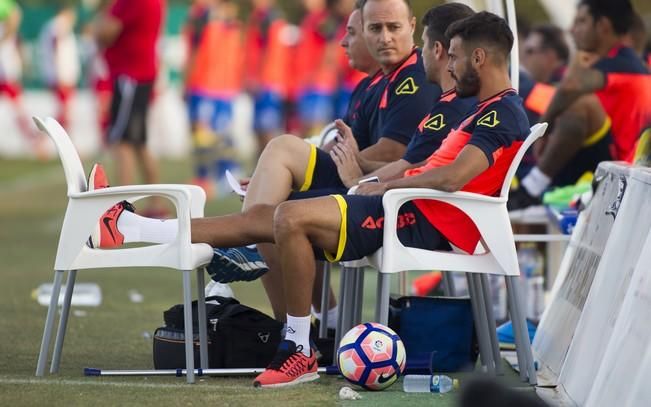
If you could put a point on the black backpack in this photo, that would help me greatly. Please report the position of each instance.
(238, 336)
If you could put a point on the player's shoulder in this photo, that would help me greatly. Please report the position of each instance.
(504, 111)
(621, 60)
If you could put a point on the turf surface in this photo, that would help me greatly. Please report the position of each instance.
(117, 334)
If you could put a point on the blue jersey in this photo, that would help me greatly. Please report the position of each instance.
(395, 104)
(431, 131)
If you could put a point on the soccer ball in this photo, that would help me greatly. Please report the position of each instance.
(372, 356)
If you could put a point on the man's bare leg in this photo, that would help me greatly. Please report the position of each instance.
(125, 162)
(281, 169)
(273, 280)
(298, 225)
(237, 229)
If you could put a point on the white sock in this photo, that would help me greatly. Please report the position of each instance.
(536, 182)
(332, 316)
(298, 331)
(136, 228)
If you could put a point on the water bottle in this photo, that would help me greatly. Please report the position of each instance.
(531, 271)
(429, 384)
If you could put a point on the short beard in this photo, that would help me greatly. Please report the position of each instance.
(469, 84)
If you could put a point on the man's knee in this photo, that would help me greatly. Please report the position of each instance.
(288, 220)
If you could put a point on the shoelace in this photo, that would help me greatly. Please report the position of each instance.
(284, 357)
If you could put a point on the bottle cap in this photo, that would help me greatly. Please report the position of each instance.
(455, 384)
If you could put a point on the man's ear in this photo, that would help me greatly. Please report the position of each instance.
(413, 24)
(438, 49)
(478, 57)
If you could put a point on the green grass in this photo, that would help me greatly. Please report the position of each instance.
(112, 336)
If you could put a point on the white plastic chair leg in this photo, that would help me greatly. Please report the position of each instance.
(49, 323)
(340, 311)
(382, 308)
(325, 303)
(187, 316)
(521, 333)
(359, 295)
(492, 329)
(514, 314)
(481, 324)
(201, 315)
(63, 322)
(348, 279)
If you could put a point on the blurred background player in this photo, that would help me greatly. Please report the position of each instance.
(268, 48)
(11, 72)
(129, 32)
(99, 79)
(59, 60)
(347, 76)
(617, 75)
(213, 81)
(580, 138)
(315, 58)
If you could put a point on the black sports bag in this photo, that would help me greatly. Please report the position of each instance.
(238, 336)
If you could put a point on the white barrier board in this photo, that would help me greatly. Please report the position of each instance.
(641, 393)
(610, 285)
(631, 338)
(580, 262)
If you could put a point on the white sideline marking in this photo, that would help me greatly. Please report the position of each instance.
(7, 380)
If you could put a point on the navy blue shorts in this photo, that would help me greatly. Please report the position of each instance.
(321, 173)
(362, 229)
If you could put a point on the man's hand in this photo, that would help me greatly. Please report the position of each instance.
(371, 188)
(346, 136)
(347, 166)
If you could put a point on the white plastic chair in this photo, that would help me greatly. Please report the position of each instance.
(83, 211)
(498, 256)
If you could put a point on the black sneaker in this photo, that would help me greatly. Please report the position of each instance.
(521, 199)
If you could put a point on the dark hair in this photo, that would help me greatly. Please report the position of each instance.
(552, 38)
(620, 13)
(359, 4)
(437, 19)
(484, 28)
(362, 3)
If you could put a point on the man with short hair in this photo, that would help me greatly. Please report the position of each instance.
(619, 78)
(474, 157)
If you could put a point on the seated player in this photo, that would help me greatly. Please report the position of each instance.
(579, 139)
(617, 76)
(474, 156)
(385, 112)
(425, 140)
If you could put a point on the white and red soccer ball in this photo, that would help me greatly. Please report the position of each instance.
(372, 356)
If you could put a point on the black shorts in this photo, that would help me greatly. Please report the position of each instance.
(362, 229)
(586, 159)
(321, 172)
(129, 107)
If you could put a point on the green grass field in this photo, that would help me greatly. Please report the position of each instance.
(116, 335)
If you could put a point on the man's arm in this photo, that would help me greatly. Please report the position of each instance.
(107, 29)
(379, 154)
(470, 162)
(578, 81)
(566, 139)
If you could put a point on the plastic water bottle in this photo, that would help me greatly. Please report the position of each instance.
(531, 270)
(429, 384)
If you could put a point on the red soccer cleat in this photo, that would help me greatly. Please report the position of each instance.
(97, 178)
(106, 234)
(290, 366)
